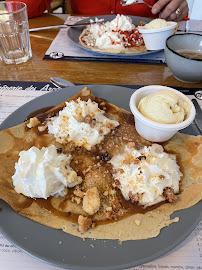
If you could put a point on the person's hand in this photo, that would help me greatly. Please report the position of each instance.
(171, 10)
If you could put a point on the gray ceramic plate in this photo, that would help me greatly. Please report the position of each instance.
(70, 252)
(74, 33)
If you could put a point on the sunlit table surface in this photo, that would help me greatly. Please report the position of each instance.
(37, 69)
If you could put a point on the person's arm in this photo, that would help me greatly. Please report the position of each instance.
(35, 7)
(171, 10)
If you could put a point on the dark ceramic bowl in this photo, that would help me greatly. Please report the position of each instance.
(185, 69)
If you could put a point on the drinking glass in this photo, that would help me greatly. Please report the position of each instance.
(15, 45)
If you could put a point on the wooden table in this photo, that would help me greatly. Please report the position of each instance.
(37, 69)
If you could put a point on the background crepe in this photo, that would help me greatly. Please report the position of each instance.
(139, 226)
(129, 50)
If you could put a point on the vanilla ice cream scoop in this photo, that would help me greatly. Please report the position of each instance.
(164, 106)
(156, 24)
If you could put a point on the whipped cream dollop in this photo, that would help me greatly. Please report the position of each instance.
(43, 173)
(109, 34)
(81, 122)
(144, 174)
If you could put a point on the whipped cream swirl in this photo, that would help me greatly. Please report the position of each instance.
(81, 122)
(145, 173)
(43, 173)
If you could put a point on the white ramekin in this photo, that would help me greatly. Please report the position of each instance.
(155, 39)
(151, 130)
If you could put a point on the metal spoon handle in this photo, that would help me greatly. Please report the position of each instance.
(48, 27)
(61, 83)
(63, 26)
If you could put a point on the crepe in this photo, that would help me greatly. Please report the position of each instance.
(62, 212)
(119, 36)
(128, 50)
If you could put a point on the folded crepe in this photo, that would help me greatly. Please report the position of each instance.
(64, 212)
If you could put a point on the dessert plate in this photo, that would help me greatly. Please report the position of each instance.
(74, 33)
(69, 252)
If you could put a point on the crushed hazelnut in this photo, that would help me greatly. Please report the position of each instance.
(131, 144)
(84, 223)
(87, 170)
(78, 193)
(91, 201)
(106, 193)
(94, 225)
(112, 192)
(109, 209)
(77, 200)
(169, 194)
(42, 128)
(115, 206)
(33, 122)
(89, 120)
(134, 197)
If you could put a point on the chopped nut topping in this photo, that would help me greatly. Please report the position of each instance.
(33, 122)
(84, 223)
(69, 147)
(77, 200)
(169, 194)
(110, 125)
(78, 193)
(102, 103)
(115, 206)
(111, 215)
(134, 197)
(93, 148)
(109, 209)
(131, 145)
(128, 159)
(42, 128)
(79, 118)
(87, 170)
(112, 192)
(106, 193)
(89, 120)
(91, 201)
(116, 183)
(94, 225)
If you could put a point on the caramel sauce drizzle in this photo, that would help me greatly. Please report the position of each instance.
(132, 208)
